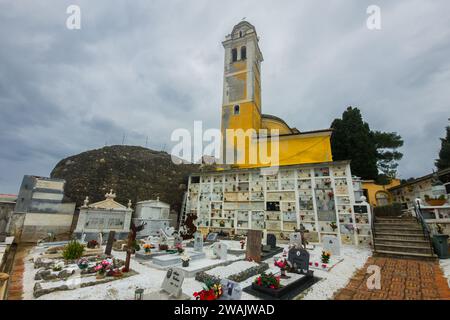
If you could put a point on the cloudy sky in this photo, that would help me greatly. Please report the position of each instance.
(145, 68)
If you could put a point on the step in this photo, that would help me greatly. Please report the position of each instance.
(412, 225)
(396, 235)
(395, 218)
(387, 240)
(404, 248)
(399, 229)
(405, 254)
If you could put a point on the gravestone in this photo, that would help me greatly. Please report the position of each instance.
(295, 239)
(231, 290)
(172, 282)
(271, 240)
(110, 242)
(198, 242)
(220, 250)
(331, 244)
(298, 259)
(100, 239)
(253, 245)
(211, 237)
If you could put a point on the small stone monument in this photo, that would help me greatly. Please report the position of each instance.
(271, 240)
(211, 237)
(298, 259)
(172, 282)
(331, 244)
(220, 250)
(254, 245)
(100, 239)
(231, 290)
(295, 239)
(110, 242)
(198, 242)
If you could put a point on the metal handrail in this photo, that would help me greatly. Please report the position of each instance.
(425, 227)
(372, 226)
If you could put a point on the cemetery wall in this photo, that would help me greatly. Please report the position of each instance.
(318, 198)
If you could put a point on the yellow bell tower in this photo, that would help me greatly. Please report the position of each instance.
(241, 106)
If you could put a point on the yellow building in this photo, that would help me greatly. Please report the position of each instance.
(379, 195)
(242, 110)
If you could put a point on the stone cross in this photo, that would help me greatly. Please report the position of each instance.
(253, 251)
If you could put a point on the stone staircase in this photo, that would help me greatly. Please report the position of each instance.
(401, 237)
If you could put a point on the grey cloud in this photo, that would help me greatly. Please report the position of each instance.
(148, 67)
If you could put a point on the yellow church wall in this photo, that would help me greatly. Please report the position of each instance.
(371, 189)
(293, 149)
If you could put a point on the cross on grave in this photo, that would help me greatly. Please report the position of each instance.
(110, 242)
(298, 259)
(331, 244)
(198, 242)
(172, 282)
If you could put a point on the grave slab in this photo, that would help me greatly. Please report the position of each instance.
(173, 259)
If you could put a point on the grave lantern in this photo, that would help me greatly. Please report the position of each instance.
(139, 294)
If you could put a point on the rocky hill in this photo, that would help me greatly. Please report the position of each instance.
(134, 173)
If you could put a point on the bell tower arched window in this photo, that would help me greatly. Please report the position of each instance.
(243, 53)
(234, 55)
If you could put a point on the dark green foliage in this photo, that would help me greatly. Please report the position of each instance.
(386, 144)
(73, 250)
(373, 154)
(394, 209)
(444, 154)
(352, 140)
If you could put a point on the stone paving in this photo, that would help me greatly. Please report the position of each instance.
(401, 279)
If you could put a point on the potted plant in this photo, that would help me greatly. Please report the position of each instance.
(185, 261)
(147, 248)
(282, 264)
(325, 258)
(211, 291)
(92, 244)
(435, 201)
(83, 263)
(179, 248)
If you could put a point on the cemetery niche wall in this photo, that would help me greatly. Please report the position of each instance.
(103, 217)
(318, 199)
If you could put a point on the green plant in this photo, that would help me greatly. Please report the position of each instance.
(268, 281)
(73, 250)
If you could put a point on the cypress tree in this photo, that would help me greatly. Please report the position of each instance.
(444, 154)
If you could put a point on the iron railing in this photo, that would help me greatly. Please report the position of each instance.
(425, 228)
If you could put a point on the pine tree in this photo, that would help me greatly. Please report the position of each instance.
(353, 140)
(444, 155)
